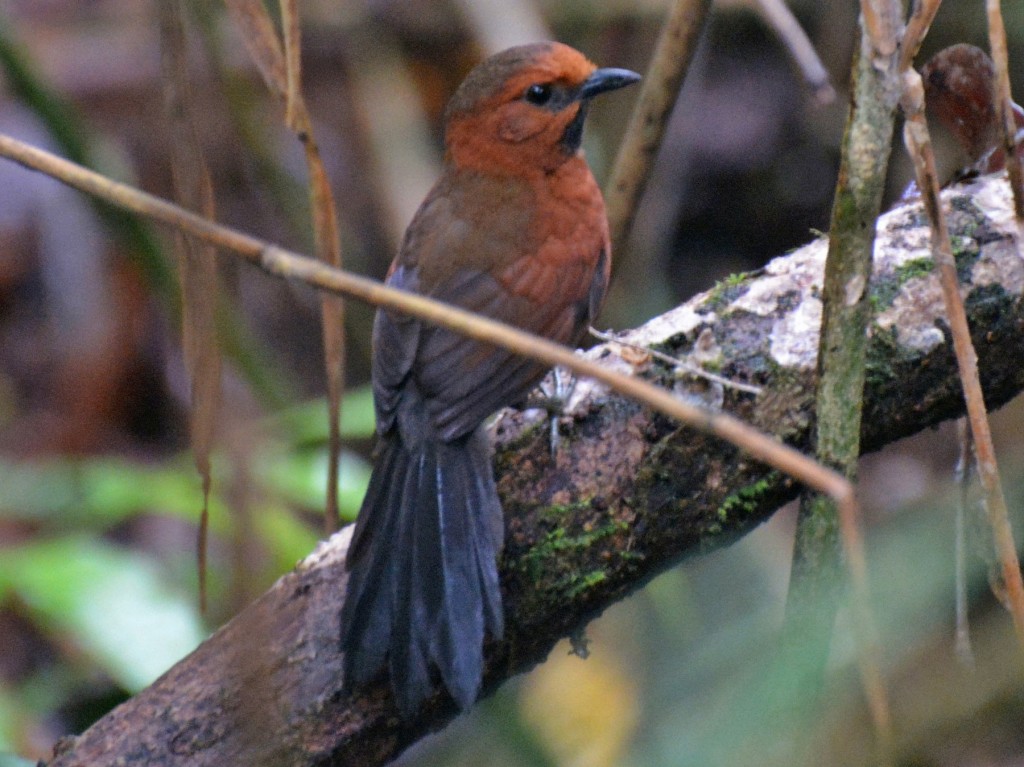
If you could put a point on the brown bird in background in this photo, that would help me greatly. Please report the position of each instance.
(959, 86)
(514, 229)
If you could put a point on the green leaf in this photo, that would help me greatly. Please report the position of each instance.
(100, 492)
(307, 422)
(10, 760)
(287, 537)
(8, 715)
(300, 477)
(110, 602)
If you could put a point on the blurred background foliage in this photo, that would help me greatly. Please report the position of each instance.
(98, 495)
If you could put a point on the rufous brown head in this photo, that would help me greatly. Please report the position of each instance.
(525, 107)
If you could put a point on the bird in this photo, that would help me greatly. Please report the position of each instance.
(960, 90)
(514, 229)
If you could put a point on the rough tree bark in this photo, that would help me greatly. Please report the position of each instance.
(628, 495)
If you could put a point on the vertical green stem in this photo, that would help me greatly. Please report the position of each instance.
(816, 577)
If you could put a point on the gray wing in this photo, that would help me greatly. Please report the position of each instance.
(459, 381)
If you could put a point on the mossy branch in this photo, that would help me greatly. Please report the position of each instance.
(629, 494)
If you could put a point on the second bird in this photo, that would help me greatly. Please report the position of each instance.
(514, 229)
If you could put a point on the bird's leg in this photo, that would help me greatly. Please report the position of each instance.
(552, 398)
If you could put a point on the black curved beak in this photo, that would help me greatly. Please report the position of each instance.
(602, 80)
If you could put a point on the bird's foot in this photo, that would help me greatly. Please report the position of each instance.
(552, 397)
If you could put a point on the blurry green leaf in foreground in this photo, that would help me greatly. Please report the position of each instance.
(112, 603)
(8, 725)
(299, 477)
(97, 492)
(290, 455)
(307, 422)
(10, 760)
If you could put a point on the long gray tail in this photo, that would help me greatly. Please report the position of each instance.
(423, 580)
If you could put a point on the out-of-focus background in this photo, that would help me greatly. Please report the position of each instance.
(98, 497)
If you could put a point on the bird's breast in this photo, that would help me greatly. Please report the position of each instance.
(540, 235)
(570, 231)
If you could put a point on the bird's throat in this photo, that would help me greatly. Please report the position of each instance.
(572, 138)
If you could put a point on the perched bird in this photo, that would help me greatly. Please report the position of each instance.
(959, 86)
(514, 229)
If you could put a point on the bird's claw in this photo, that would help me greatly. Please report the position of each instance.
(563, 383)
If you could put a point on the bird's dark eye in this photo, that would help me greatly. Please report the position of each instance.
(539, 94)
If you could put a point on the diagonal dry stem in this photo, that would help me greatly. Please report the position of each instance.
(289, 265)
(681, 365)
(781, 19)
(917, 29)
(919, 146)
(197, 262)
(662, 81)
(294, 108)
(997, 44)
(279, 63)
(963, 475)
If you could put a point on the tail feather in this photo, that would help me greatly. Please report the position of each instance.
(366, 627)
(458, 649)
(408, 653)
(490, 534)
(423, 583)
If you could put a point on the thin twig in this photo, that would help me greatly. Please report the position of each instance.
(962, 472)
(662, 81)
(289, 265)
(677, 363)
(262, 42)
(917, 29)
(197, 264)
(793, 36)
(294, 108)
(279, 63)
(919, 146)
(1004, 98)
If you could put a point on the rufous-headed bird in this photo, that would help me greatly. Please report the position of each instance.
(514, 229)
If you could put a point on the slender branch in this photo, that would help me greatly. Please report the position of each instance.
(197, 263)
(662, 81)
(1004, 98)
(816, 570)
(918, 141)
(800, 48)
(294, 115)
(917, 30)
(683, 366)
(962, 474)
(283, 263)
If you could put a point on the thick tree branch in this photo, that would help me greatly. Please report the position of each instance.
(629, 494)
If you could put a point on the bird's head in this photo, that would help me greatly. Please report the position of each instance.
(524, 108)
(958, 83)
